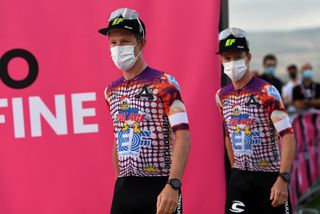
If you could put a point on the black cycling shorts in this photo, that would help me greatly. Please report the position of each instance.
(138, 195)
(249, 193)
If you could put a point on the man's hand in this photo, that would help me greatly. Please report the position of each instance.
(167, 200)
(279, 192)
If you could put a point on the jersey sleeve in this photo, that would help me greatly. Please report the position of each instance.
(218, 101)
(106, 94)
(219, 106)
(169, 92)
(277, 111)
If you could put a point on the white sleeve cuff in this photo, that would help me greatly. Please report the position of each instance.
(282, 124)
(178, 118)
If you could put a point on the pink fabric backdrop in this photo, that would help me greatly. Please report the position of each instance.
(56, 135)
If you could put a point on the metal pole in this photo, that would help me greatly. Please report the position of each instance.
(223, 24)
(224, 15)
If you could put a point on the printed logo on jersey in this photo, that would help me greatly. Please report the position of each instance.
(242, 137)
(145, 93)
(237, 207)
(272, 91)
(252, 101)
(128, 114)
(264, 163)
(173, 81)
(237, 118)
(151, 169)
(131, 140)
(243, 140)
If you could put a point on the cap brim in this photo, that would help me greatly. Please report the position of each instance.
(231, 50)
(103, 31)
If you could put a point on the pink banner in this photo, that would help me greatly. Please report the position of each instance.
(306, 165)
(56, 132)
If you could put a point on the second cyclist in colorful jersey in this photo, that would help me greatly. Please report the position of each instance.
(254, 117)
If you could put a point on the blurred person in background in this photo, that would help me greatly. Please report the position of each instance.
(307, 94)
(270, 67)
(287, 89)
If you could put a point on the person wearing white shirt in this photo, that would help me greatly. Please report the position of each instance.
(287, 89)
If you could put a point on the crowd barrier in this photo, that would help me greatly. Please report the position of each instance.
(306, 167)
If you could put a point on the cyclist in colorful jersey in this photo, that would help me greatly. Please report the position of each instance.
(150, 122)
(254, 119)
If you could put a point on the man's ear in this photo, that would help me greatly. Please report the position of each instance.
(249, 57)
(221, 57)
(143, 43)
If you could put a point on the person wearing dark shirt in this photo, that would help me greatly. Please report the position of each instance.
(270, 65)
(307, 94)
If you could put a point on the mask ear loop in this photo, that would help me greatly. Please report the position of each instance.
(139, 54)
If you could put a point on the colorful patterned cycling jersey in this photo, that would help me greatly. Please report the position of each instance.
(146, 111)
(254, 117)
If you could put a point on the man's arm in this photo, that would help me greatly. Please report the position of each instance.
(169, 92)
(300, 104)
(279, 191)
(305, 104)
(180, 153)
(167, 200)
(115, 158)
(281, 122)
(285, 96)
(286, 101)
(315, 103)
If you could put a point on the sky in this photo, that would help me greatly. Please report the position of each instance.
(274, 15)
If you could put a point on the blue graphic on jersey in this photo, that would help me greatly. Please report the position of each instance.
(173, 81)
(129, 111)
(272, 91)
(130, 142)
(240, 116)
(243, 141)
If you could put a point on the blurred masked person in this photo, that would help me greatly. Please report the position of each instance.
(306, 95)
(270, 68)
(287, 89)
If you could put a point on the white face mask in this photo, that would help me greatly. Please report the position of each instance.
(235, 70)
(123, 56)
